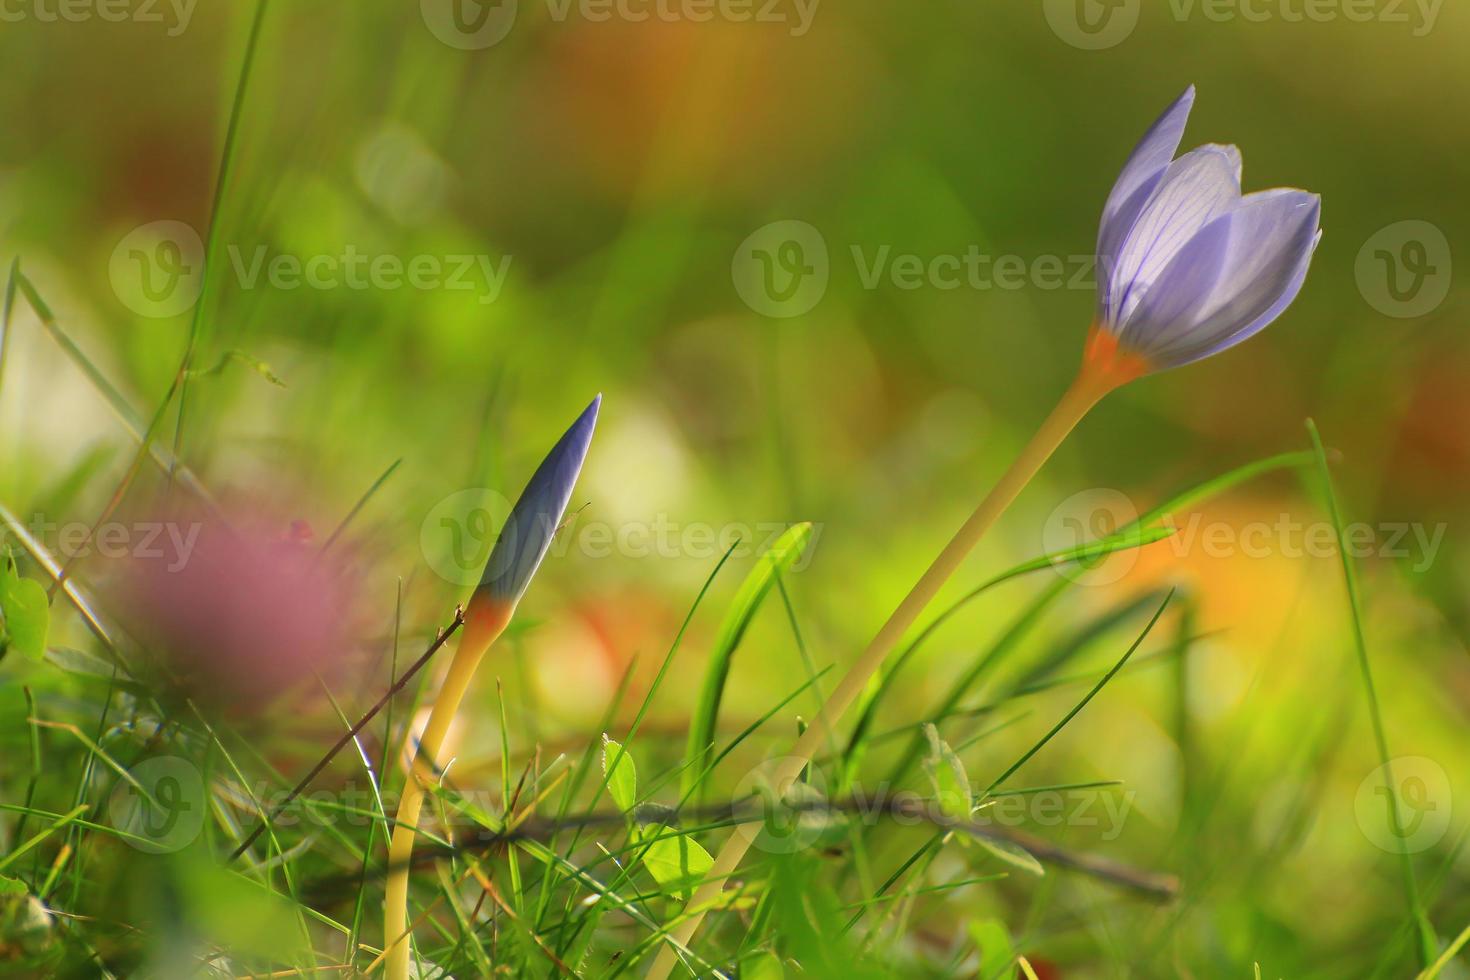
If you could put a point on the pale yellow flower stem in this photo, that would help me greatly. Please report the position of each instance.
(484, 621)
(1085, 392)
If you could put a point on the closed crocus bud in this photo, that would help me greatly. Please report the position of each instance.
(518, 552)
(538, 513)
(1188, 266)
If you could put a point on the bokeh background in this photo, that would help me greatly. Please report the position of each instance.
(623, 174)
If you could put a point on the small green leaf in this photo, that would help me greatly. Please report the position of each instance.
(675, 861)
(993, 941)
(763, 965)
(253, 363)
(1013, 854)
(27, 615)
(622, 775)
(12, 886)
(947, 774)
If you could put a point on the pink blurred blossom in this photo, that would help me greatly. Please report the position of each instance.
(239, 609)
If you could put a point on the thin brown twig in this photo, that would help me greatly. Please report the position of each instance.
(352, 733)
(1157, 886)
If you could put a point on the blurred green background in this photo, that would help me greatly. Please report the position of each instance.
(615, 170)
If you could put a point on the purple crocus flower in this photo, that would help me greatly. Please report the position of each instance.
(1189, 266)
(533, 521)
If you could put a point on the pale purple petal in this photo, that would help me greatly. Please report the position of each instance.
(1231, 280)
(1138, 180)
(537, 514)
(1195, 189)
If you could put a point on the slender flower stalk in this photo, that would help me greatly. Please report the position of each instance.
(1190, 267)
(513, 561)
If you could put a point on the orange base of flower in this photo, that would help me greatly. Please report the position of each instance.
(1107, 362)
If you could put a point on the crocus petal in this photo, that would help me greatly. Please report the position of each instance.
(1138, 180)
(1231, 280)
(537, 514)
(1195, 189)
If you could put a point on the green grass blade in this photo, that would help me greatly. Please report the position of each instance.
(982, 665)
(777, 559)
(212, 236)
(1428, 946)
(1133, 535)
(8, 308)
(1102, 683)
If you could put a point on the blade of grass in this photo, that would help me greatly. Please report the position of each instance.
(361, 503)
(932, 843)
(1427, 944)
(635, 727)
(9, 307)
(986, 662)
(1102, 683)
(114, 398)
(1135, 534)
(351, 733)
(211, 246)
(778, 558)
(1437, 967)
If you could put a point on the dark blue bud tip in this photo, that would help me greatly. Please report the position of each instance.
(538, 513)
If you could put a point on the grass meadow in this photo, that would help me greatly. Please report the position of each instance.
(298, 295)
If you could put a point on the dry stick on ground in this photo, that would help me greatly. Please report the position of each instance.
(351, 733)
(1151, 884)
